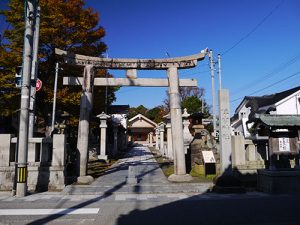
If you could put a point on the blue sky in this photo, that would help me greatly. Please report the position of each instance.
(265, 61)
(149, 29)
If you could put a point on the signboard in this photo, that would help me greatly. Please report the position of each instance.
(208, 157)
(38, 85)
(284, 144)
(206, 121)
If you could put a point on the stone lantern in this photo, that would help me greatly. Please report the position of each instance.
(103, 126)
(161, 127)
(187, 136)
(169, 154)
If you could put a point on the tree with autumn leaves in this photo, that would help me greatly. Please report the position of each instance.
(65, 24)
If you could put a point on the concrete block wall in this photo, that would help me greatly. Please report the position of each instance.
(46, 163)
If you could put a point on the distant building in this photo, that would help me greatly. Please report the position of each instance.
(139, 127)
(282, 103)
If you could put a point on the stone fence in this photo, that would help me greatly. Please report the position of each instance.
(248, 155)
(46, 162)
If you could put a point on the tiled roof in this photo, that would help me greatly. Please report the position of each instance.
(278, 121)
(273, 98)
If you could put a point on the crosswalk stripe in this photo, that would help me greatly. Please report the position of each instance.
(63, 211)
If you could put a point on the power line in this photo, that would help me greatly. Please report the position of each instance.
(275, 71)
(254, 29)
(271, 85)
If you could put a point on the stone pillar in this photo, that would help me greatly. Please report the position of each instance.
(31, 152)
(151, 139)
(156, 138)
(5, 151)
(59, 150)
(86, 103)
(177, 128)
(170, 153)
(187, 136)
(238, 150)
(224, 131)
(103, 125)
(161, 137)
(115, 130)
(251, 152)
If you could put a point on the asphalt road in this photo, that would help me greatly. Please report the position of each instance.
(109, 200)
(158, 209)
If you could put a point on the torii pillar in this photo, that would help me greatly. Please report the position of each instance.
(180, 174)
(86, 104)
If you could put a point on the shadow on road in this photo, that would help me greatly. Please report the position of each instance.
(241, 210)
(203, 209)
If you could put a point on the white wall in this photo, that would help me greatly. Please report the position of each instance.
(243, 113)
(290, 106)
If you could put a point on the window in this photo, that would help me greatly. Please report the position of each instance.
(243, 115)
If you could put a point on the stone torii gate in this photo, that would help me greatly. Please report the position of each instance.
(171, 65)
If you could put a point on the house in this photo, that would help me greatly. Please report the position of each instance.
(282, 103)
(139, 127)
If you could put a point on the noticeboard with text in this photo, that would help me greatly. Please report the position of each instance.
(208, 157)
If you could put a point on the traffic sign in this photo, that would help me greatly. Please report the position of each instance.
(38, 85)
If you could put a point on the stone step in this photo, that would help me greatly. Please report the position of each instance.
(138, 189)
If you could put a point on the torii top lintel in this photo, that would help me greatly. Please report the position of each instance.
(140, 64)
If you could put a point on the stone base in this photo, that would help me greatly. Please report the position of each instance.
(250, 167)
(85, 180)
(131, 180)
(278, 181)
(102, 157)
(41, 178)
(180, 178)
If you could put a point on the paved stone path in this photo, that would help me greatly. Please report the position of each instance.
(149, 175)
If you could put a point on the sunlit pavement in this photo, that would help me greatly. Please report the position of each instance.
(110, 200)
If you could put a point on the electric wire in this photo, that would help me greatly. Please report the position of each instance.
(274, 72)
(271, 85)
(254, 29)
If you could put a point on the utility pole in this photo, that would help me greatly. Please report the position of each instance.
(25, 94)
(34, 71)
(212, 72)
(54, 96)
(219, 72)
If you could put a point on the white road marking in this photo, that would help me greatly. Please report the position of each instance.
(64, 211)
